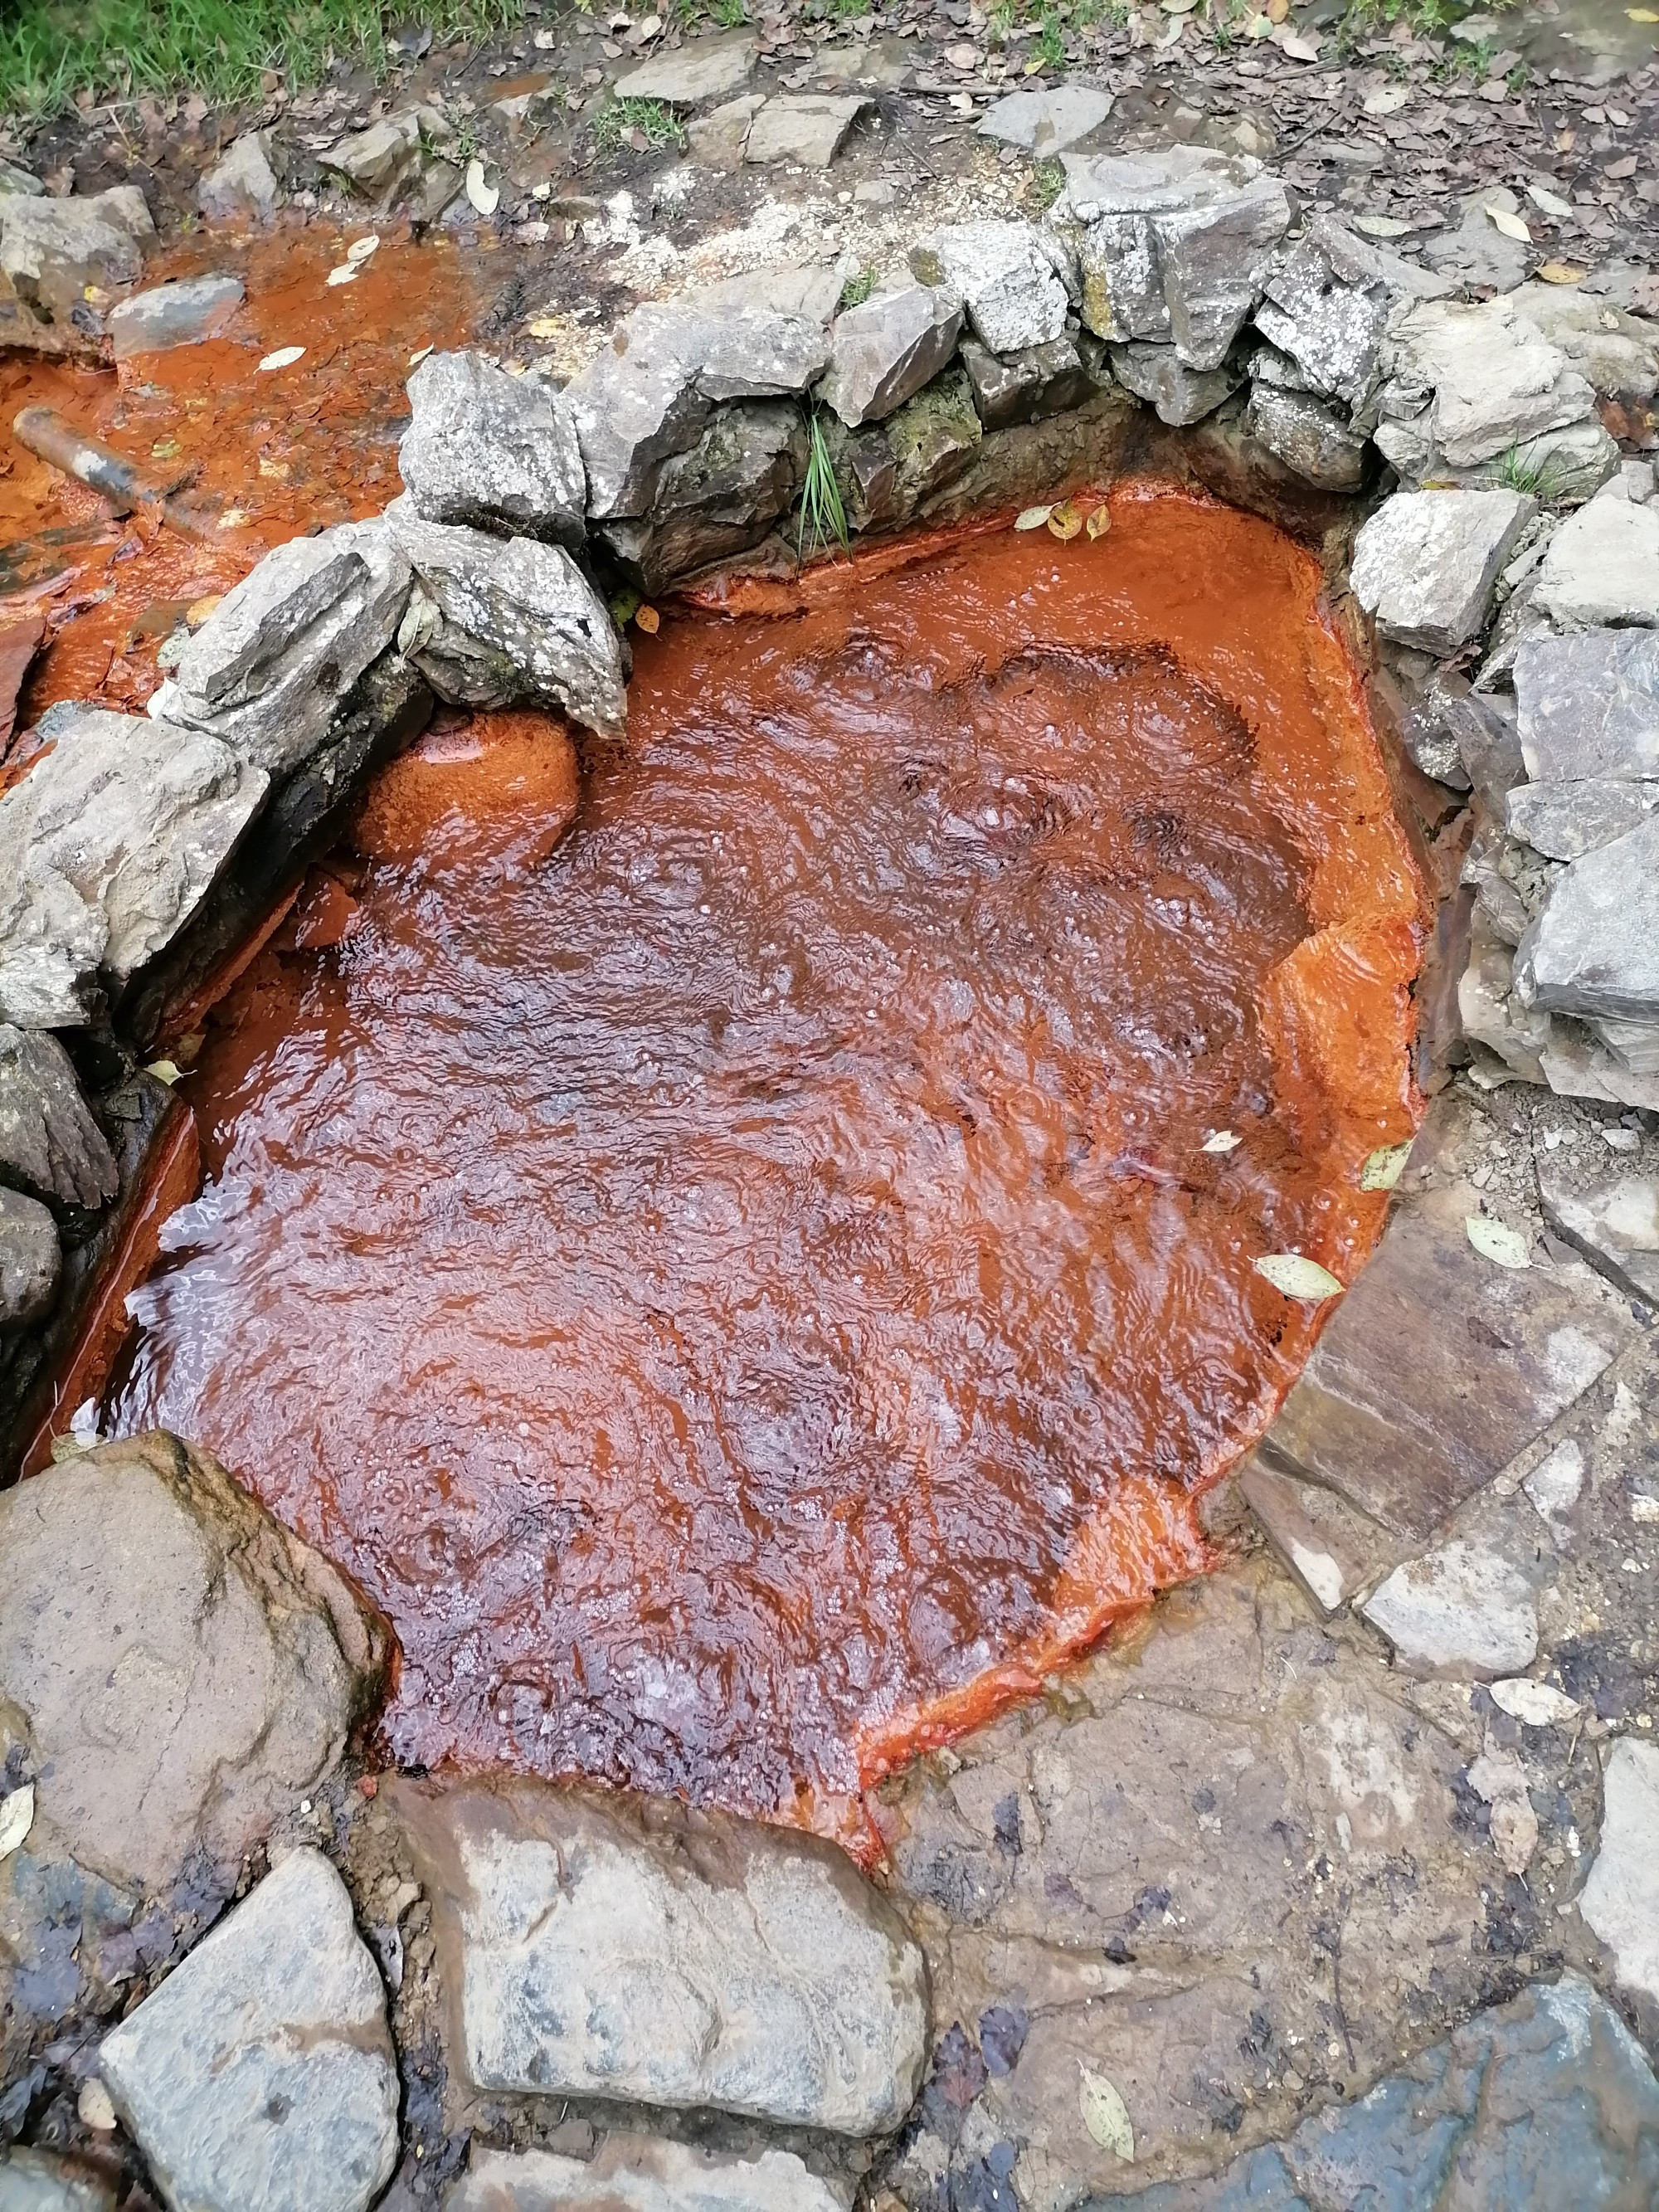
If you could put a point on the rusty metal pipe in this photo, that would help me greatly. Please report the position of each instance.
(115, 479)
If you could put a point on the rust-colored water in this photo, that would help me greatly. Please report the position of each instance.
(742, 1286)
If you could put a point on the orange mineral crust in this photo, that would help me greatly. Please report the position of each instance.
(742, 1285)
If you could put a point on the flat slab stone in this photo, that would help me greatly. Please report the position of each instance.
(1045, 119)
(1613, 1221)
(883, 351)
(49, 1146)
(702, 69)
(1004, 278)
(521, 621)
(1429, 1307)
(36, 2181)
(179, 315)
(598, 1946)
(261, 2072)
(1594, 948)
(495, 452)
(1565, 821)
(108, 845)
(1425, 564)
(637, 2175)
(806, 128)
(186, 1667)
(30, 1261)
(1619, 1903)
(1588, 705)
(1603, 566)
(1457, 1611)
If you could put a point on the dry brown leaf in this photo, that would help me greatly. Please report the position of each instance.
(648, 620)
(1100, 521)
(1560, 272)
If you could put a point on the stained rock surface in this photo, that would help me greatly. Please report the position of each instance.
(181, 314)
(185, 1667)
(52, 249)
(618, 1947)
(261, 2072)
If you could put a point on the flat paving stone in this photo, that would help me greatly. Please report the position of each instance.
(1045, 119)
(261, 2072)
(702, 69)
(626, 1948)
(805, 128)
(638, 2174)
(1459, 1611)
(1621, 1901)
(1589, 704)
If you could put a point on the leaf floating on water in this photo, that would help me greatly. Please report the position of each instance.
(648, 620)
(1510, 225)
(1032, 518)
(16, 1818)
(485, 197)
(1100, 520)
(165, 1071)
(1065, 521)
(1642, 14)
(1298, 1277)
(1497, 1241)
(1384, 1166)
(1106, 2116)
(361, 248)
(284, 357)
(1222, 1140)
(345, 274)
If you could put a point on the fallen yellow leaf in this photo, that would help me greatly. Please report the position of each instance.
(1099, 522)
(1642, 14)
(1560, 272)
(648, 620)
(1065, 521)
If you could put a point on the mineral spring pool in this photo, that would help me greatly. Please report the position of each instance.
(743, 1243)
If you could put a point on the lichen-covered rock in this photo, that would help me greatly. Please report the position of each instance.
(1315, 439)
(722, 497)
(495, 452)
(1178, 394)
(1594, 948)
(108, 846)
(1602, 567)
(627, 1947)
(1425, 564)
(1565, 821)
(242, 182)
(1025, 386)
(30, 1261)
(1004, 275)
(1172, 246)
(1327, 303)
(187, 1668)
(638, 2174)
(261, 2072)
(53, 250)
(885, 350)
(268, 670)
(49, 1146)
(515, 620)
(932, 439)
(1589, 704)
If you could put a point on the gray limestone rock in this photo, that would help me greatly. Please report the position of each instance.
(187, 1668)
(807, 128)
(30, 1262)
(1457, 1611)
(887, 348)
(108, 846)
(525, 622)
(686, 76)
(721, 497)
(1329, 321)
(49, 1146)
(1589, 704)
(379, 162)
(1602, 567)
(1172, 246)
(1613, 1221)
(1426, 564)
(52, 249)
(811, 288)
(627, 1947)
(1594, 948)
(1045, 119)
(638, 2174)
(242, 183)
(1003, 276)
(1619, 1903)
(37, 2181)
(1316, 439)
(261, 2072)
(497, 452)
(1565, 821)
(719, 139)
(1619, 352)
(178, 314)
(1476, 253)
(1469, 384)
(646, 397)
(1180, 395)
(268, 670)
(1026, 385)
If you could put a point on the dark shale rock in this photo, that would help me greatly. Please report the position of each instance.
(30, 1263)
(49, 1146)
(1565, 821)
(933, 439)
(721, 498)
(1025, 386)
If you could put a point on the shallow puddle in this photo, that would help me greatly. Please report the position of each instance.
(742, 1284)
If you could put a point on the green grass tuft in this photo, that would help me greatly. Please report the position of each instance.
(1539, 479)
(822, 515)
(51, 50)
(857, 289)
(658, 123)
